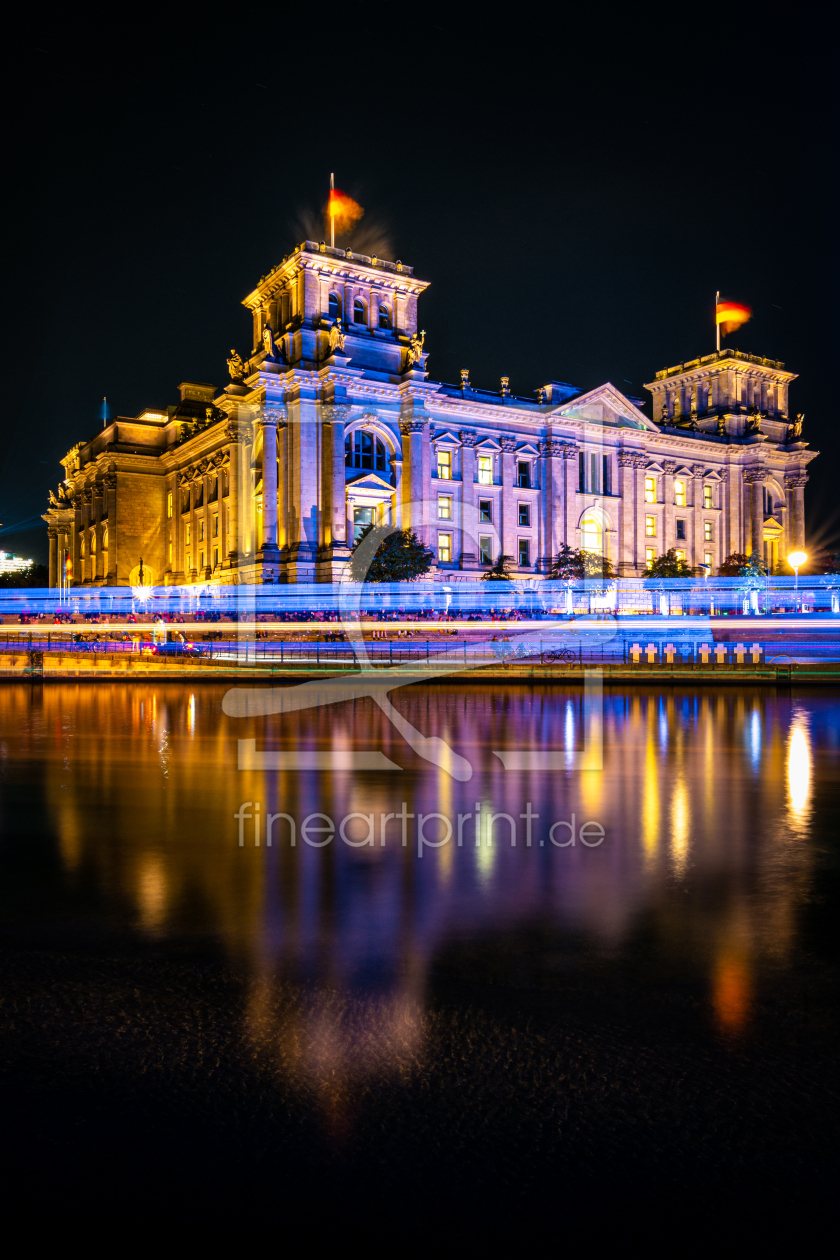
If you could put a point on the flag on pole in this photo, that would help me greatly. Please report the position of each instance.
(731, 315)
(342, 211)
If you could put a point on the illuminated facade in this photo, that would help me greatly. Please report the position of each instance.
(332, 422)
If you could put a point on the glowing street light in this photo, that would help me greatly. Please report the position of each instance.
(796, 559)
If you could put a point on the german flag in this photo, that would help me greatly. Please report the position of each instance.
(731, 315)
(344, 210)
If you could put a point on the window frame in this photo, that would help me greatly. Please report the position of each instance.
(524, 546)
(650, 526)
(680, 528)
(444, 537)
(443, 459)
(650, 489)
(360, 301)
(708, 532)
(485, 511)
(679, 493)
(445, 499)
(708, 497)
(524, 509)
(528, 482)
(484, 475)
(384, 309)
(485, 553)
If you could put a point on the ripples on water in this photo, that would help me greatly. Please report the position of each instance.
(362, 973)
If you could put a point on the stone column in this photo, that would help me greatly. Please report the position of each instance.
(755, 480)
(796, 484)
(627, 537)
(336, 417)
(669, 529)
(267, 420)
(98, 566)
(232, 434)
(414, 434)
(52, 534)
(697, 540)
(508, 511)
(571, 475)
(469, 542)
(641, 506)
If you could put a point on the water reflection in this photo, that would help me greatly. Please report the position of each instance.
(134, 790)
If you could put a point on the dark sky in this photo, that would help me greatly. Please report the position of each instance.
(574, 187)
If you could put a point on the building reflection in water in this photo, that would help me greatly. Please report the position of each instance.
(138, 786)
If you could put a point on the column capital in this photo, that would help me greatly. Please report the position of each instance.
(337, 413)
(755, 476)
(627, 459)
(468, 437)
(794, 480)
(570, 451)
(551, 446)
(507, 442)
(413, 426)
(669, 467)
(271, 414)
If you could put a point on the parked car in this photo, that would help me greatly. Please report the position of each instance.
(181, 649)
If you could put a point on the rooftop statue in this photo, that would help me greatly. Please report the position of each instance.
(415, 350)
(236, 367)
(336, 338)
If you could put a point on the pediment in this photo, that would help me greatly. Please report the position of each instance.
(489, 443)
(655, 468)
(606, 405)
(369, 481)
(684, 471)
(527, 448)
(712, 474)
(449, 439)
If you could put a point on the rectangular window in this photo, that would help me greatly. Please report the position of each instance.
(485, 510)
(707, 497)
(524, 514)
(650, 555)
(187, 532)
(707, 559)
(523, 473)
(444, 465)
(680, 528)
(215, 557)
(215, 527)
(679, 493)
(681, 555)
(593, 464)
(485, 470)
(650, 526)
(650, 489)
(188, 562)
(201, 530)
(707, 531)
(362, 517)
(524, 549)
(582, 473)
(201, 560)
(607, 477)
(445, 507)
(169, 504)
(445, 548)
(485, 549)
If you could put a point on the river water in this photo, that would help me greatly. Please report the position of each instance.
(640, 992)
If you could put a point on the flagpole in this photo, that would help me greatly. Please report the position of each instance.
(332, 216)
(717, 325)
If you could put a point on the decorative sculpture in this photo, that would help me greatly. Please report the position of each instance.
(795, 431)
(236, 367)
(336, 338)
(465, 378)
(721, 426)
(505, 390)
(541, 392)
(415, 350)
(754, 423)
(268, 343)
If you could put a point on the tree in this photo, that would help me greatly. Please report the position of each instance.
(668, 565)
(734, 564)
(400, 557)
(571, 563)
(499, 572)
(754, 566)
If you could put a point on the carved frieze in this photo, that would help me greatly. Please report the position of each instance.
(468, 437)
(508, 442)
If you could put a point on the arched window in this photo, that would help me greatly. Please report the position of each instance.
(363, 450)
(359, 311)
(335, 306)
(591, 535)
(384, 317)
(105, 538)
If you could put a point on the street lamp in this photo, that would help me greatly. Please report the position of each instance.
(796, 559)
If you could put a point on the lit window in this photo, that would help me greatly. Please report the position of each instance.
(681, 555)
(590, 534)
(445, 508)
(485, 510)
(679, 493)
(485, 549)
(524, 514)
(169, 503)
(707, 497)
(650, 555)
(650, 526)
(188, 530)
(170, 553)
(445, 548)
(363, 450)
(680, 528)
(362, 517)
(384, 317)
(335, 306)
(524, 548)
(650, 489)
(707, 531)
(707, 559)
(485, 470)
(523, 475)
(444, 465)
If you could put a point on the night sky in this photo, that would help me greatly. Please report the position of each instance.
(575, 189)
